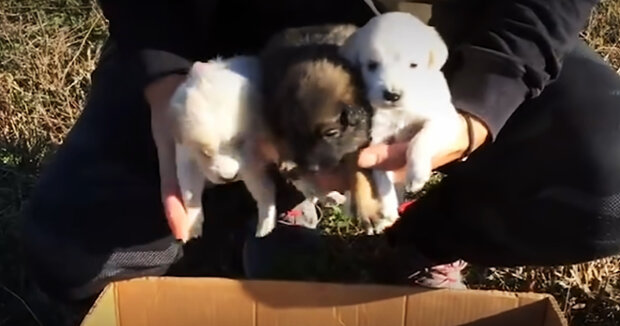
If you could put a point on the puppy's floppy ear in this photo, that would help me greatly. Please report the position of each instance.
(199, 68)
(350, 48)
(438, 51)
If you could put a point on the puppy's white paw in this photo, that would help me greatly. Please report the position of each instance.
(264, 228)
(414, 185)
(266, 221)
(377, 223)
(390, 215)
(196, 217)
(335, 198)
(416, 179)
(367, 226)
(382, 225)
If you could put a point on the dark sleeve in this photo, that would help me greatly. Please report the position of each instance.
(515, 56)
(157, 37)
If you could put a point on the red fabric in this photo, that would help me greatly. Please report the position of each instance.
(404, 206)
(294, 213)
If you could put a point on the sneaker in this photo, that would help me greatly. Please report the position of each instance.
(447, 276)
(305, 214)
(404, 206)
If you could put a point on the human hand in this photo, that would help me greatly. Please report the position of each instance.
(158, 94)
(393, 157)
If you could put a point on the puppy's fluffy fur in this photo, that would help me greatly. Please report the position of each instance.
(316, 107)
(314, 101)
(400, 58)
(217, 125)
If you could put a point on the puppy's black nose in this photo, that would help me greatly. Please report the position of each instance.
(391, 96)
(313, 167)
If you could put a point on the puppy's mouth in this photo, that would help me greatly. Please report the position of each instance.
(218, 179)
(387, 105)
(229, 179)
(316, 168)
(294, 171)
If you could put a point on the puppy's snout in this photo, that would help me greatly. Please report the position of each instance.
(226, 168)
(391, 96)
(229, 178)
(314, 167)
(315, 163)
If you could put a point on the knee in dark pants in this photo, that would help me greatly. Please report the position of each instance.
(66, 272)
(54, 296)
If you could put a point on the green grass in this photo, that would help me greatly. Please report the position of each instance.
(47, 52)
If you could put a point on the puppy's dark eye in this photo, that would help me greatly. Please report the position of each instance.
(372, 65)
(331, 132)
(413, 65)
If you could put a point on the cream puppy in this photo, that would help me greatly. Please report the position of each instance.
(218, 131)
(400, 58)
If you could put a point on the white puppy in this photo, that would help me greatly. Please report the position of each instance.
(217, 126)
(400, 58)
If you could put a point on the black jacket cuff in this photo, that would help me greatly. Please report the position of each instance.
(488, 85)
(154, 64)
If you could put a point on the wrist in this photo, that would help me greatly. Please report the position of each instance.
(160, 90)
(473, 135)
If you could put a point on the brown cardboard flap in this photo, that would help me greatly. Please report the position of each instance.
(168, 301)
(554, 316)
(184, 301)
(104, 311)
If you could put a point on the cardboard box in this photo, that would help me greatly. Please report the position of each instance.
(169, 301)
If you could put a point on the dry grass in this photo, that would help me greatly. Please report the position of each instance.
(603, 31)
(49, 48)
(47, 52)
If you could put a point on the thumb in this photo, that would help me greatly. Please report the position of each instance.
(384, 156)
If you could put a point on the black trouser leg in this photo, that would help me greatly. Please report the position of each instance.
(546, 192)
(96, 215)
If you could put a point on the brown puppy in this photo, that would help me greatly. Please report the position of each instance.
(316, 107)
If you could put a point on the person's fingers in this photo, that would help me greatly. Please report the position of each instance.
(174, 208)
(380, 156)
(175, 212)
(383, 156)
